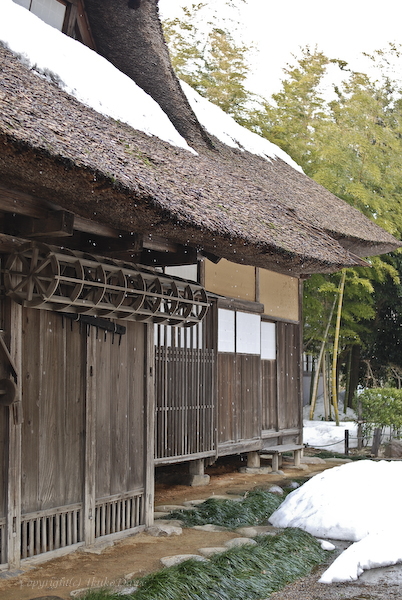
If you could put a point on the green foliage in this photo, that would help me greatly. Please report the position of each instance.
(212, 62)
(350, 143)
(251, 572)
(380, 408)
(254, 509)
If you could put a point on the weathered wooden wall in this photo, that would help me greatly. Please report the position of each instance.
(83, 460)
(53, 396)
(289, 375)
(239, 398)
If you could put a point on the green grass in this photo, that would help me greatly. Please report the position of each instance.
(246, 572)
(326, 454)
(255, 509)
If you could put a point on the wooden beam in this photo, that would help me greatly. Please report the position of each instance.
(57, 224)
(183, 255)
(236, 304)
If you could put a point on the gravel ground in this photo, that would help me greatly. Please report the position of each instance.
(376, 584)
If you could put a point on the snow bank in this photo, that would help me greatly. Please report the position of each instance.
(81, 72)
(326, 435)
(359, 502)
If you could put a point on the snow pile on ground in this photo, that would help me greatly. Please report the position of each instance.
(229, 132)
(359, 502)
(81, 72)
(326, 435)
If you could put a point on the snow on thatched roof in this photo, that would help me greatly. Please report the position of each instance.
(251, 208)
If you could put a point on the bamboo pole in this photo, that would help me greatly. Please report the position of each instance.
(317, 371)
(336, 344)
(327, 408)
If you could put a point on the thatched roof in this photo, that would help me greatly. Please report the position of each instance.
(227, 202)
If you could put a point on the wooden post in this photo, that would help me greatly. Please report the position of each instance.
(13, 324)
(376, 441)
(149, 406)
(90, 441)
(336, 343)
(347, 442)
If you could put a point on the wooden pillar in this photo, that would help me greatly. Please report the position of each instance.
(90, 441)
(13, 328)
(300, 353)
(149, 406)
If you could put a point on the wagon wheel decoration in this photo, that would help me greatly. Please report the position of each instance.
(199, 306)
(152, 300)
(115, 293)
(135, 295)
(31, 275)
(71, 279)
(94, 286)
(170, 303)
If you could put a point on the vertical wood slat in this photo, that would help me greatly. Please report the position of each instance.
(90, 446)
(149, 408)
(13, 324)
(184, 400)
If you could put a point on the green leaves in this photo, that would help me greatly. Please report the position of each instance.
(210, 61)
(380, 408)
(256, 507)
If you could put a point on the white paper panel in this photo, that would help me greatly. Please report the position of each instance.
(226, 330)
(248, 336)
(24, 3)
(50, 11)
(268, 341)
(184, 271)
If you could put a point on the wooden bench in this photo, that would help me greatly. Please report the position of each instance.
(278, 449)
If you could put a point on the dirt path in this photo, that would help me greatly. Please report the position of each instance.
(141, 553)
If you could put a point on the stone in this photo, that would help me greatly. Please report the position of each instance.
(192, 503)
(119, 590)
(174, 522)
(171, 561)
(164, 530)
(240, 541)
(312, 460)
(160, 515)
(248, 532)
(96, 548)
(168, 508)
(197, 480)
(276, 489)
(251, 532)
(223, 497)
(255, 470)
(393, 449)
(292, 485)
(207, 552)
(209, 527)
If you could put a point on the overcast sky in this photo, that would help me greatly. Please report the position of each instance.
(343, 30)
